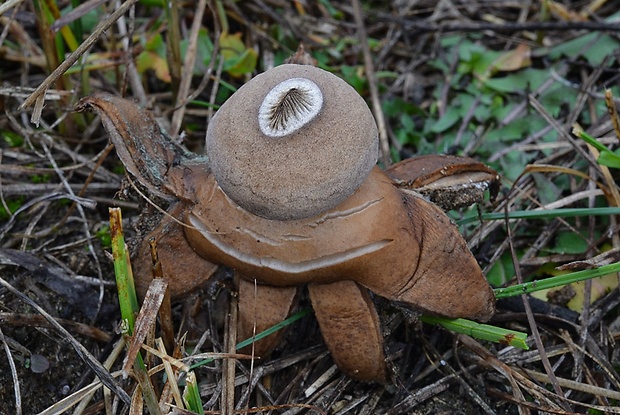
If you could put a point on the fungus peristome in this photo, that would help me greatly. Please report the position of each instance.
(349, 230)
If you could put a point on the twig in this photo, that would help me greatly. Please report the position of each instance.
(530, 316)
(562, 132)
(131, 71)
(34, 320)
(372, 83)
(80, 209)
(8, 5)
(424, 26)
(71, 59)
(188, 70)
(16, 390)
(230, 343)
(89, 390)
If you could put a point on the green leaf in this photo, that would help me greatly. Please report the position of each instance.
(568, 242)
(519, 82)
(516, 130)
(153, 57)
(12, 204)
(351, 74)
(594, 47)
(150, 60)
(547, 190)
(204, 51)
(559, 281)
(450, 118)
(501, 272)
(238, 59)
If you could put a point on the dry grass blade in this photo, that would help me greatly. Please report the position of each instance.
(578, 386)
(39, 92)
(421, 395)
(51, 196)
(112, 358)
(188, 71)
(531, 320)
(502, 368)
(165, 310)
(172, 375)
(75, 14)
(146, 319)
(374, 90)
(16, 388)
(8, 6)
(230, 346)
(82, 395)
(613, 111)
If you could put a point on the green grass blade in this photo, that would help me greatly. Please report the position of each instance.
(480, 331)
(609, 159)
(559, 281)
(542, 214)
(275, 328)
(263, 334)
(191, 394)
(589, 139)
(128, 300)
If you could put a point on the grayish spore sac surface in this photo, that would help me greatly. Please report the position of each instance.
(292, 143)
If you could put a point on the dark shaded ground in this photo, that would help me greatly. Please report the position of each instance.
(431, 61)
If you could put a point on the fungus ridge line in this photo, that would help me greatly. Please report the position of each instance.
(321, 262)
(259, 236)
(348, 212)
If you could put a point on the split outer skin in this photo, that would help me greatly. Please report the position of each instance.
(396, 244)
(387, 240)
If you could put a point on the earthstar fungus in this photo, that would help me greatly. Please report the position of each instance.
(290, 196)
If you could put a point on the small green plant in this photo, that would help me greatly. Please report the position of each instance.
(11, 138)
(10, 206)
(607, 157)
(191, 395)
(103, 234)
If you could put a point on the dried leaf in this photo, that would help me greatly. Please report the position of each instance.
(513, 60)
